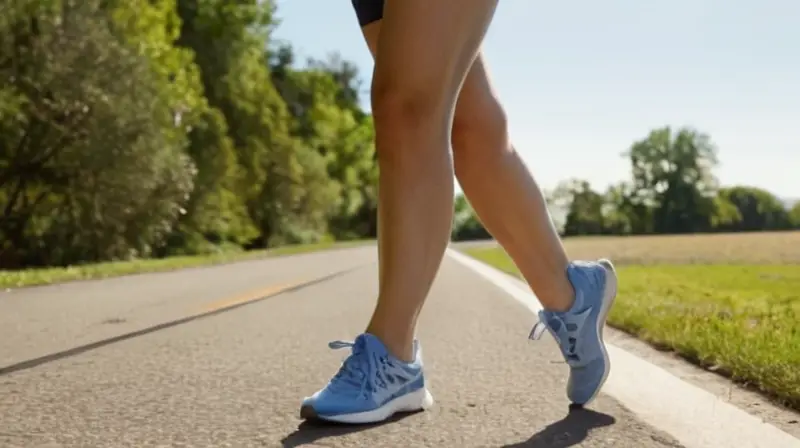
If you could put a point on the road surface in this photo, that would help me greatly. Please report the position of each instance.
(221, 356)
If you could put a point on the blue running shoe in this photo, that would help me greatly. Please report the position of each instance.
(579, 331)
(371, 385)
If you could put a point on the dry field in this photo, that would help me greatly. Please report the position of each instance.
(729, 248)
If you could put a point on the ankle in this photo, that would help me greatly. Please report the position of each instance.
(561, 300)
(559, 307)
(400, 347)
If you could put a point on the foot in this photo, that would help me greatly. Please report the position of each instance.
(371, 386)
(579, 331)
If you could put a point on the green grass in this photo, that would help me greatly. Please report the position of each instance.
(34, 277)
(738, 320)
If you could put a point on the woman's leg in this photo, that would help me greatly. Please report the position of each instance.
(423, 55)
(504, 194)
(497, 183)
(510, 204)
(422, 58)
(576, 296)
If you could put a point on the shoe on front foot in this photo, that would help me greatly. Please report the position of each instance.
(579, 331)
(370, 386)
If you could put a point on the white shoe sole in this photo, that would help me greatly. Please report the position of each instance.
(412, 402)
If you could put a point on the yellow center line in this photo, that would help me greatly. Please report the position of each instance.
(249, 296)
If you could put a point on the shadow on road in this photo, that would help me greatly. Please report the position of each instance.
(309, 432)
(569, 431)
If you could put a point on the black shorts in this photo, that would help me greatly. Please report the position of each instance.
(368, 11)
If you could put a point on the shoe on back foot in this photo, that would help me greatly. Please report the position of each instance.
(579, 331)
(370, 386)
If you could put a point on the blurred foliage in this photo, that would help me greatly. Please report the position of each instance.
(153, 128)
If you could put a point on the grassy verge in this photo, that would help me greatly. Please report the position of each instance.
(33, 277)
(742, 321)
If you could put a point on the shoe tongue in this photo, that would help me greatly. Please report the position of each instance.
(368, 342)
(353, 372)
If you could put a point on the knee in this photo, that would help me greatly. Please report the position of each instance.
(400, 108)
(480, 130)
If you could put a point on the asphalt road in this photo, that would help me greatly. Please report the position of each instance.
(196, 358)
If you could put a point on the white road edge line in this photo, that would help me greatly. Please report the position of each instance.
(694, 416)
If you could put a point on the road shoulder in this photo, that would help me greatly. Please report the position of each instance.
(730, 421)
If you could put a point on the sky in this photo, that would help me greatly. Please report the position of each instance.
(581, 81)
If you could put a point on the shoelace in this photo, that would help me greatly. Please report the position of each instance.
(565, 334)
(361, 371)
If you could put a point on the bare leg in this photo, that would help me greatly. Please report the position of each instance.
(577, 296)
(505, 196)
(425, 51)
(500, 187)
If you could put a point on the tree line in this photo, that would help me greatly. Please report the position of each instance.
(150, 128)
(671, 190)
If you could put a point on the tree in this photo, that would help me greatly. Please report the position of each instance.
(726, 214)
(626, 213)
(280, 179)
(214, 213)
(147, 128)
(584, 208)
(758, 209)
(672, 175)
(794, 216)
(323, 100)
(155, 127)
(466, 225)
(92, 166)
